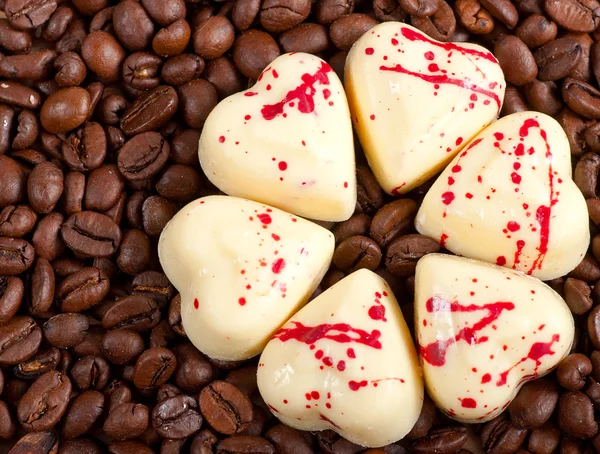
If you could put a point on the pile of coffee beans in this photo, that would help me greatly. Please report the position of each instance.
(101, 107)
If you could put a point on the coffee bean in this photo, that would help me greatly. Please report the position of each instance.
(388, 10)
(177, 417)
(42, 286)
(71, 70)
(224, 76)
(403, 253)
(172, 40)
(80, 446)
(45, 360)
(7, 423)
(242, 444)
(90, 372)
(156, 213)
(65, 110)
(582, 98)
(310, 38)
(103, 189)
(574, 128)
(182, 68)
(65, 330)
(84, 410)
(155, 285)
(165, 12)
(574, 15)
(347, 29)
(513, 102)
(573, 371)
(587, 270)
(7, 115)
(27, 130)
(213, 37)
(198, 99)
(543, 96)
(441, 439)
(576, 415)
(121, 346)
(132, 25)
(16, 256)
(557, 58)
(501, 435)
(204, 442)
(150, 111)
(85, 148)
(73, 37)
(82, 290)
(225, 407)
(91, 234)
(153, 368)
(327, 11)
(57, 24)
(287, 440)
(174, 317)
(136, 312)
(45, 402)
(586, 174)
(425, 421)
(254, 51)
(392, 220)
(545, 439)
(357, 252)
(14, 40)
(129, 447)
(36, 442)
(103, 55)
(11, 295)
(13, 181)
(440, 26)
(17, 220)
(193, 370)
(503, 10)
(593, 327)
(143, 156)
(44, 187)
(474, 16)
(280, 15)
(126, 421)
(134, 253)
(16, 94)
(27, 15)
(516, 60)
(534, 404)
(244, 12)
(577, 296)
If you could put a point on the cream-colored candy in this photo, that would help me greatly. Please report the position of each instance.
(483, 331)
(287, 141)
(242, 268)
(509, 199)
(416, 102)
(345, 362)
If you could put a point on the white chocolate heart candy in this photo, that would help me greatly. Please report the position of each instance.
(345, 362)
(483, 331)
(242, 268)
(416, 102)
(509, 199)
(286, 142)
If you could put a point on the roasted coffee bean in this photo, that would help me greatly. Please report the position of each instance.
(198, 98)
(577, 296)
(7, 423)
(73, 193)
(444, 439)
(116, 393)
(357, 252)
(179, 183)
(134, 253)
(516, 60)
(583, 71)
(90, 372)
(121, 346)
(586, 174)
(244, 12)
(126, 421)
(557, 58)
(388, 10)
(536, 30)
(280, 15)
(576, 415)
(225, 407)
(45, 402)
(193, 370)
(592, 137)
(111, 109)
(42, 286)
(213, 37)
(165, 12)
(574, 128)
(103, 188)
(420, 8)
(103, 55)
(141, 69)
(7, 115)
(545, 439)
(129, 447)
(143, 156)
(11, 295)
(224, 76)
(84, 410)
(13, 181)
(440, 26)
(403, 253)
(150, 111)
(43, 361)
(70, 69)
(543, 96)
(204, 442)
(310, 38)
(347, 29)
(587, 270)
(82, 290)
(27, 15)
(392, 220)
(182, 68)
(534, 404)
(287, 440)
(573, 371)
(174, 317)
(132, 25)
(16, 256)
(33, 66)
(425, 421)
(244, 444)
(36, 442)
(369, 193)
(16, 94)
(57, 24)
(136, 312)
(73, 37)
(153, 368)
(156, 213)
(14, 40)
(356, 225)
(184, 147)
(327, 11)
(17, 220)
(593, 327)
(177, 417)
(474, 17)
(254, 51)
(85, 148)
(65, 110)
(65, 330)
(501, 435)
(27, 130)
(44, 187)
(172, 40)
(155, 285)
(80, 446)
(503, 10)
(574, 15)
(91, 234)
(513, 102)
(581, 97)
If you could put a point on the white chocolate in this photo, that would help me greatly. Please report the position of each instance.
(242, 268)
(484, 331)
(286, 142)
(345, 362)
(509, 199)
(416, 102)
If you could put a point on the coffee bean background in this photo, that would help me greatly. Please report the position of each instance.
(101, 106)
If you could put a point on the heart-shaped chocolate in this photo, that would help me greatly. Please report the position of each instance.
(345, 362)
(286, 142)
(242, 268)
(509, 199)
(483, 331)
(416, 102)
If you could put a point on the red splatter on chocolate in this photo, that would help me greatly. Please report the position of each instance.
(304, 94)
(456, 169)
(275, 74)
(356, 385)
(433, 67)
(250, 93)
(429, 55)
(467, 402)
(501, 260)
(447, 197)
(394, 42)
(459, 141)
(435, 352)
(285, 401)
(247, 117)
(221, 139)
(513, 226)
(196, 304)
(486, 379)
(515, 177)
(273, 408)
(369, 51)
(372, 117)
(450, 181)
(326, 93)
(350, 353)
(328, 361)
(264, 218)
(337, 332)
(345, 184)
(341, 366)
(242, 301)
(468, 195)
(518, 252)
(443, 239)
(275, 237)
(377, 313)
(278, 265)
(325, 418)
(315, 395)
(282, 165)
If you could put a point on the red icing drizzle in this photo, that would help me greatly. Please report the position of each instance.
(377, 312)
(356, 385)
(337, 332)
(467, 402)
(196, 304)
(242, 301)
(435, 352)
(304, 94)
(325, 418)
(486, 379)
(278, 266)
(264, 218)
